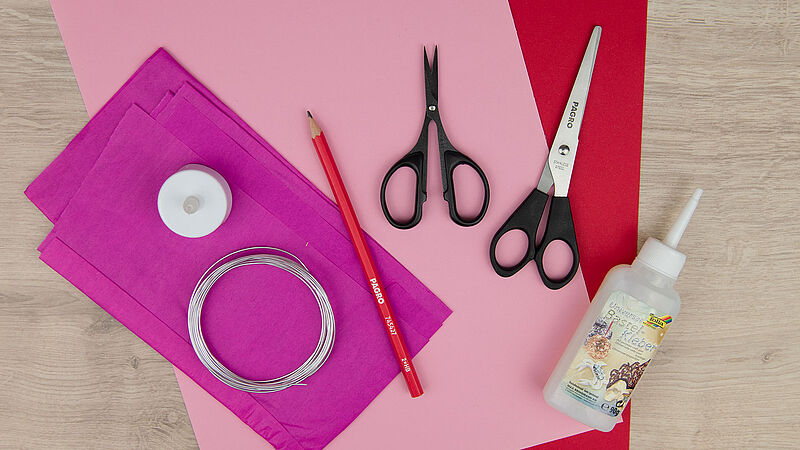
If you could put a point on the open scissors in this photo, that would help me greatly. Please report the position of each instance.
(449, 157)
(558, 172)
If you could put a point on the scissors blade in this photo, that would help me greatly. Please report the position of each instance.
(431, 77)
(562, 153)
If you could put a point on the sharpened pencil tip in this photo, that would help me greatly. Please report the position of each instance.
(315, 131)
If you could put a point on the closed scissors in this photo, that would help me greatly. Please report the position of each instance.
(449, 157)
(557, 172)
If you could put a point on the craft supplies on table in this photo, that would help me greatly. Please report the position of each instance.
(159, 121)
(449, 159)
(556, 174)
(498, 116)
(380, 294)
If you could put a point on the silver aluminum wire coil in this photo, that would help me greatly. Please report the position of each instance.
(293, 266)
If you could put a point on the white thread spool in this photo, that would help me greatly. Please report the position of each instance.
(194, 201)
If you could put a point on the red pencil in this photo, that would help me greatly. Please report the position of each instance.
(364, 256)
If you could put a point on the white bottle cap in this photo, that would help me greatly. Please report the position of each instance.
(662, 256)
(194, 201)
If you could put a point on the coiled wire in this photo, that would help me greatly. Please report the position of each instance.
(294, 267)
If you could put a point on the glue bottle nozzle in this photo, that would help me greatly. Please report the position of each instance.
(663, 256)
(676, 232)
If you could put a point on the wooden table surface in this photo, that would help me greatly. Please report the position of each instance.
(721, 81)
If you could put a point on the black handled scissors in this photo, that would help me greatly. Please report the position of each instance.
(449, 157)
(558, 172)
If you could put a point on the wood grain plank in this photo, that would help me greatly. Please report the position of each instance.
(721, 80)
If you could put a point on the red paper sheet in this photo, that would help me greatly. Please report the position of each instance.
(604, 192)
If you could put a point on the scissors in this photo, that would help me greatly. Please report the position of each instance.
(449, 157)
(558, 172)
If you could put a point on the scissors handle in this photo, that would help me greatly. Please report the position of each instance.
(559, 227)
(450, 159)
(526, 219)
(416, 160)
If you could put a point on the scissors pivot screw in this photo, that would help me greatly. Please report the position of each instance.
(432, 108)
(563, 150)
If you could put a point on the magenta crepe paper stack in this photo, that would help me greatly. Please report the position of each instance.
(109, 241)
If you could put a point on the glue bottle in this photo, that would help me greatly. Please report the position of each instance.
(619, 334)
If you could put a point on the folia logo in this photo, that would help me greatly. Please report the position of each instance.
(572, 113)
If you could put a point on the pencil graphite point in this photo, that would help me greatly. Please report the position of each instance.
(315, 130)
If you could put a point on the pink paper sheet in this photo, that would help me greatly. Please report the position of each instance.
(357, 66)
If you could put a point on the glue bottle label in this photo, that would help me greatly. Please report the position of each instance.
(615, 353)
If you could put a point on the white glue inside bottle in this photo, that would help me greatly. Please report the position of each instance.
(620, 333)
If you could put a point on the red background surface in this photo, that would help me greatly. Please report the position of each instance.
(604, 192)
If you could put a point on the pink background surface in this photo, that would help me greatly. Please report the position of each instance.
(357, 66)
